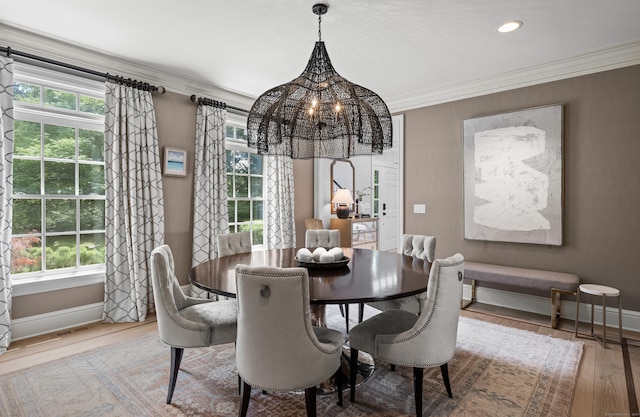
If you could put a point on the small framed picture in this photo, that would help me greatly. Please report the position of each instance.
(175, 162)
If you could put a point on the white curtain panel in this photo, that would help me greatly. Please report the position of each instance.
(6, 192)
(134, 202)
(210, 210)
(280, 227)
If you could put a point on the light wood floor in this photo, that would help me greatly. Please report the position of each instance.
(601, 389)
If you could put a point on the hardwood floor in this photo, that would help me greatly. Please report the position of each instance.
(601, 388)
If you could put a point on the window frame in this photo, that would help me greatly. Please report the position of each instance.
(240, 145)
(78, 275)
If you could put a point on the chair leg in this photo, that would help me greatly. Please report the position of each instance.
(360, 312)
(393, 367)
(338, 376)
(176, 358)
(310, 400)
(246, 396)
(417, 389)
(353, 368)
(346, 316)
(341, 309)
(444, 369)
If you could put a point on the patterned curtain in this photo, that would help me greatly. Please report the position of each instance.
(280, 227)
(6, 192)
(210, 210)
(134, 202)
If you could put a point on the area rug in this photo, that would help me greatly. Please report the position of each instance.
(497, 371)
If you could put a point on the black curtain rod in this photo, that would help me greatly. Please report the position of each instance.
(115, 78)
(215, 103)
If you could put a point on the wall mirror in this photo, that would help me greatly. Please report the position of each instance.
(343, 175)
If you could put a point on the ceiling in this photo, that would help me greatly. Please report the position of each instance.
(400, 49)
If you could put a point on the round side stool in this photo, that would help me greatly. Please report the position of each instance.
(604, 292)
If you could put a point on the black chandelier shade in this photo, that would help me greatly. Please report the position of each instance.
(319, 115)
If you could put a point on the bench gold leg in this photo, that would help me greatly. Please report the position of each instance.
(555, 305)
(465, 303)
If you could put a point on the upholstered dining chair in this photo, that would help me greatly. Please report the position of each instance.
(426, 340)
(277, 347)
(325, 238)
(419, 247)
(186, 322)
(234, 243)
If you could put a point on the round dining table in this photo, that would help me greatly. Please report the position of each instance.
(369, 275)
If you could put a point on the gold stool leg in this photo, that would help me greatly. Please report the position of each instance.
(591, 315)
(604, 322)
(577, 312)
(620, 318)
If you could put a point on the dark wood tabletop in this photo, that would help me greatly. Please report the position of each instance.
(370, 275)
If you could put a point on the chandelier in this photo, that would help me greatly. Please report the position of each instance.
(319, 114)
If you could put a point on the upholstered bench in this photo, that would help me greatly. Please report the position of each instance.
(556, 282)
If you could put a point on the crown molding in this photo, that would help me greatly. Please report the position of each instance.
(55, 49)
(619, 56)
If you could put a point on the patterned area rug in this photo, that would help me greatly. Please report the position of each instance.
(497, 371)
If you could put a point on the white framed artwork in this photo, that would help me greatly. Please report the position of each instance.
(175, 162)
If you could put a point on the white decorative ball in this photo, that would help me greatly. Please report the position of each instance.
(304, 255)
(317, 253)
(326, 258)
(338, 253)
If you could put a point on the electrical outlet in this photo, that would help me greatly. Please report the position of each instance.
(419, 208)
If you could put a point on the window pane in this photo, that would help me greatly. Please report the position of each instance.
(26, 93)
(26, 136)
(61, 251)
(230, 157)
(59, 99)
(256, 164)
(59, 142)
(241, 162)
(26, 176)
(232, 211)
(230, 186)
(92, 214)
(92, 249)
(242, 186)
(27, 216)
(91, 179)
(90, 145)
(257, 210)
(244, 211)
(59, 178)
(258, 238)
(240, 133)
(256, 186)
(244, 227)
(91, 105)
(229, 132)
(26, 254)
(61, 216)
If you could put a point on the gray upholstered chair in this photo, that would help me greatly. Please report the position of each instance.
(234, 243)
(186, 322)
(420, 247)
(277, 348)
(426, 340)
(325, 238)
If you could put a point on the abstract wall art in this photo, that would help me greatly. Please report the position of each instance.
(513, 176)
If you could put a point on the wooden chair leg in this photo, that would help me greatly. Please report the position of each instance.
(444, 369)
(417, 389)
(360, 312)
(310, 400)
(346, 316)
(338, 376)
(353, 368)
(246, 396)
(176, 358)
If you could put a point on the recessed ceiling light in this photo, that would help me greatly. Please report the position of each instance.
(510, 26)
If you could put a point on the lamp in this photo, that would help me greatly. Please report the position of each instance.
(319, 114)
(343, 199)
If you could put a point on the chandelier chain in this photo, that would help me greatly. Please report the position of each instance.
(319, 28)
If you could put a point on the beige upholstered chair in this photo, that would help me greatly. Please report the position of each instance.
(186, 322)
(233, 243)
(420, 247)
(313, 224)
(322, 238)
(426, 340)
(277, 348)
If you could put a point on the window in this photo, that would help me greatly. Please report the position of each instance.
(58, 173)
(244, 185)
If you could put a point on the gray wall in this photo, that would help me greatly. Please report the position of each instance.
(601, 178)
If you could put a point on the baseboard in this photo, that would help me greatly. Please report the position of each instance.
(55, 321)
(542, 305)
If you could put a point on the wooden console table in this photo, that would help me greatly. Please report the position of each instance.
(357, 233)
